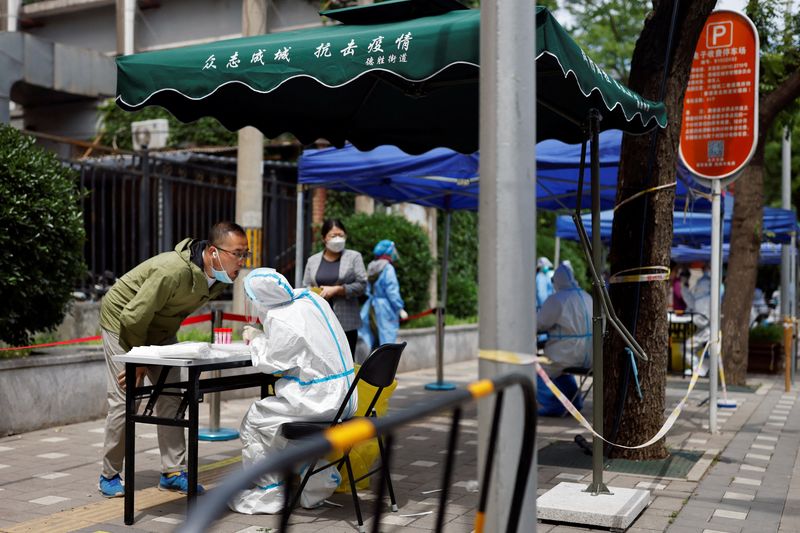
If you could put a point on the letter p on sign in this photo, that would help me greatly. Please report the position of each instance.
(719, 34)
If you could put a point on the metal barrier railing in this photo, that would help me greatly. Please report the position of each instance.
(348, 434)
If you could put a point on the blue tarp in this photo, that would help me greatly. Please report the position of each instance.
(693, 229)
(439, 178)
(770, 253)
(449, 180)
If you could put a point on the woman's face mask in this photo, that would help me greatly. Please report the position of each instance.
(335, 244)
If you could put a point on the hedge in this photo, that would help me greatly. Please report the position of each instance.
(42, 238)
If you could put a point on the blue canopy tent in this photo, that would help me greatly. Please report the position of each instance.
(447, 180)
(694, 229)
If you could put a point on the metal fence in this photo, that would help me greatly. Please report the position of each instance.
(138, 205)
(342, 437)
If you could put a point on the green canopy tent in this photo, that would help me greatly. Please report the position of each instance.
(401, 72)
(410, 82)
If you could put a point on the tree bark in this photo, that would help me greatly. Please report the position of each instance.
(642, 232)
(745, 245)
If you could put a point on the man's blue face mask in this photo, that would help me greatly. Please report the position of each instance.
(219, 275)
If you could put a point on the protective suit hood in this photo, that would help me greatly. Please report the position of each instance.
(268, 289)
(563, 279)
(374, 269)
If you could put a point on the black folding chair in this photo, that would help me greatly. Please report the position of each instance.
(379, 371)
(583, 376)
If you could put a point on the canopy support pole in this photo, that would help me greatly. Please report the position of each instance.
(299, 240)
(716, 263)
(597, 486)
(557, 252)
(440, 384)
(213, 432)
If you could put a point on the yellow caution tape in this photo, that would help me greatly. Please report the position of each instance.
(721, 368)
(661, 274)
(641, 193)
(585, 423)
(639, 278)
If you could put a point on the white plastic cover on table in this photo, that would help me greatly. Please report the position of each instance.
(191, 350)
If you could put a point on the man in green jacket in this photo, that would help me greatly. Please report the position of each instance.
(145, 307)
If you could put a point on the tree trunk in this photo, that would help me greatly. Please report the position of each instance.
(746, 237)
(642, 233)
(745, 246)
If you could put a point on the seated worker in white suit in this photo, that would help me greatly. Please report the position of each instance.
(566, 317)
(303, 341)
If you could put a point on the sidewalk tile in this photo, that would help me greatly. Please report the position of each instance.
(734, 515)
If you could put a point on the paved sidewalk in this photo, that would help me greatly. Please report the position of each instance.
(749, 487)
(48, 478)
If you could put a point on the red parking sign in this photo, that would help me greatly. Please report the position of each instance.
(720, 109)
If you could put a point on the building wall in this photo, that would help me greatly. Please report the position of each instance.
(180, 21)
(173, 23)
(77, 120)
(283, 15)
(90, 28)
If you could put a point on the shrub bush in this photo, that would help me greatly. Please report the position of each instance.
(415, 263)
(339, 205)
(462, 270)
(767, 333)
(42, 238)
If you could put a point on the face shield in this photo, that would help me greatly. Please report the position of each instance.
(386, 247)
(250, 312)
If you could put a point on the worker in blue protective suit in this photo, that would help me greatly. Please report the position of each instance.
(381, 313)
(544, 281)
(566, 317)
(303, 342)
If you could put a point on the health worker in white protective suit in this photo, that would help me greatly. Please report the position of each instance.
(566, 316)
(698, 301)
(303, 341)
